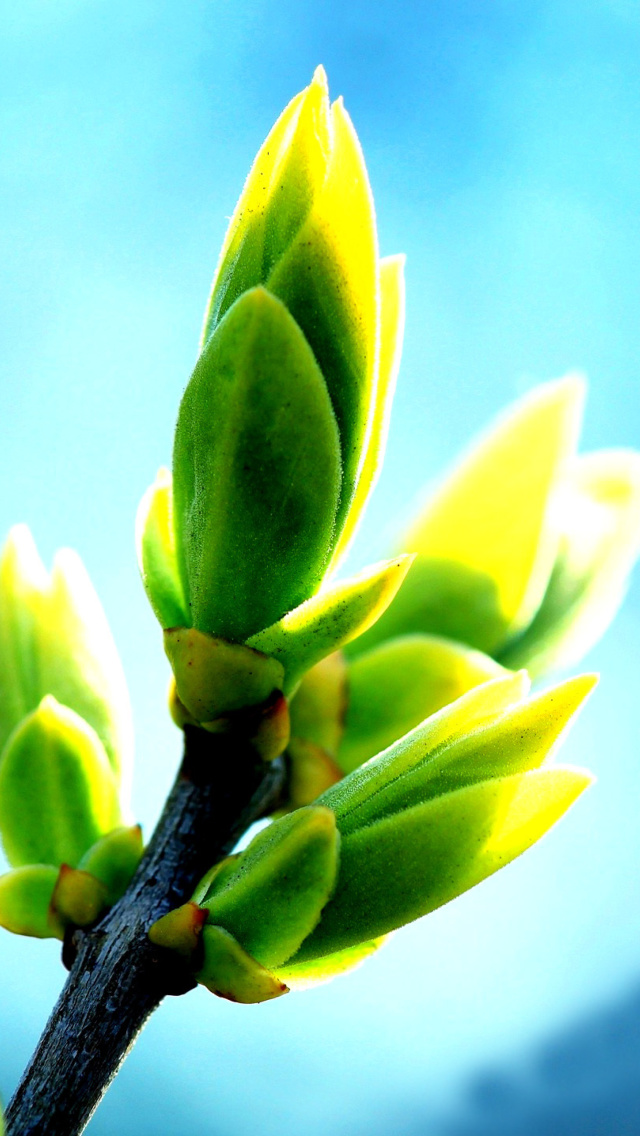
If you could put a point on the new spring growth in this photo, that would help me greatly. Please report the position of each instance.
(281, 430)
(524, 551)
(65, 746)
(446, 806)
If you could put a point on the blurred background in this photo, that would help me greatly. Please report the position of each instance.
(502, 143)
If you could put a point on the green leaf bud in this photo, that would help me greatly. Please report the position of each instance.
(305, 228)
(272, 898)
(484, 545)
(525, 550)
(114, 859)
(25, 900)
(78, 900)
(408, 864)
(54, 639)
(451, 749)
(283, 424)
(456, 799)
(58, 793)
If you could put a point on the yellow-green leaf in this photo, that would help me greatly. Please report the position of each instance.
(214, 677)
(58, 794)
(230, 972)
(279, 192)
(273, 896)
(23, 580)
(55, 639)
(470, 714)
(257, 472)
(408, 864)
(597, 512)
(392, 308)
(25, 895)
(304, 975)
(155, 542)
(485, 541)
(522, 738)
(78, 661)
(328, 620)
(395, 686)
(328, 279)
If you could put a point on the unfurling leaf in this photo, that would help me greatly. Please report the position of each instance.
(597, 513)
(333, 617)
(484, 545)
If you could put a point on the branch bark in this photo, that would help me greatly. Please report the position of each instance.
(117, 978)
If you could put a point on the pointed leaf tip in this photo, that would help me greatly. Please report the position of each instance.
(336, 614)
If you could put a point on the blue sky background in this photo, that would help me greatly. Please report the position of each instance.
(502, 144)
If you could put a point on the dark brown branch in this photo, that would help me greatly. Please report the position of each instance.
(117, 977)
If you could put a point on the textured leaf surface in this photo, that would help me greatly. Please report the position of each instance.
(406, 865)
(57, 790)
(305, 228)
(479, 708)
(25, 895)
(485, 543)
(274, 898)
(330, 619)
(519, 740)
(257, 472)
(395, 686)
(157, 558)
(597, 512)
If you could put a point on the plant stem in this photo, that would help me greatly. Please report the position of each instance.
(117, 977)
